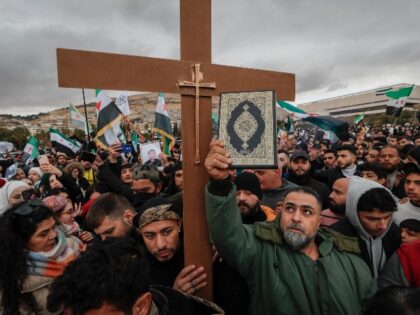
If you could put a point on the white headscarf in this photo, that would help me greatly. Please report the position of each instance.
(6, 191)
(37, 170)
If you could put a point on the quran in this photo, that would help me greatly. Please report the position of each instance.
(247, 127)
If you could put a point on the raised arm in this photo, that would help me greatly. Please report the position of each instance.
(235, 242)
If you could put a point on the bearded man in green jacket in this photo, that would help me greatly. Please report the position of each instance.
(291, 265)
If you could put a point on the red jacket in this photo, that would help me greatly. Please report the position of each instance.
(409, 255)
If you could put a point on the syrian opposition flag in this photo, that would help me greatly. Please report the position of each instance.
(31, 149)
(397, 100)
(338, 127)
(77, 120)
(328, 123)
(293, 110)
(383, 91)
(358, 118)
(289, 124)
(109, 119)
(102, 99)
(61, 143)
(163, 125)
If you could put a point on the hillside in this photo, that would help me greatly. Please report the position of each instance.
(142, 112)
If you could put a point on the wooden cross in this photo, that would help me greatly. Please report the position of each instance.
(95, 70)
(197, 77)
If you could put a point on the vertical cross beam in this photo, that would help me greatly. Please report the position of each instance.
(195, 35)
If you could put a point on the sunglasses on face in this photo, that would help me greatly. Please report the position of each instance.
(28, 207)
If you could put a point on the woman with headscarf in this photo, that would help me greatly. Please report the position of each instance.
(65, 214)
(34, 252)
(35, 175)
(11, 194)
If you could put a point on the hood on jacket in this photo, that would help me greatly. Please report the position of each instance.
(357, 187)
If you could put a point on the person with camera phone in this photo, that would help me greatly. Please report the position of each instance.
(54, 178)
(145, 183)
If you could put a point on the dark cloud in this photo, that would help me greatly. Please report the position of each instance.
(333, 47)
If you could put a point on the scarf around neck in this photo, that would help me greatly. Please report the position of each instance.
(349, 170)
(51, 264)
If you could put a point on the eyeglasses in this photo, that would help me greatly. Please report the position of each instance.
(28, 207)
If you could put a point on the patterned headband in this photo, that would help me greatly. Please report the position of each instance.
(157, 213)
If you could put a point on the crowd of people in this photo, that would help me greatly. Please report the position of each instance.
(334, 229)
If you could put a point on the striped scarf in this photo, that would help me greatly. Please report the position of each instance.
(51, 264)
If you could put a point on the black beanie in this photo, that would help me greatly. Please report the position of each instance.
(414, 153)
(250, 182)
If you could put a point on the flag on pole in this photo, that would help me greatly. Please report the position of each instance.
(109, 119)
(289, 124)
(397, 100)
(163, 125)
(383, 91)
(31, 149)
(135, 141)
(358, 118)
(61, 143)
(123, 104)
(77, 120)
(102, 99)
(338, 127)
(293, 110)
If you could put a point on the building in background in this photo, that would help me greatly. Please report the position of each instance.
(366, 102)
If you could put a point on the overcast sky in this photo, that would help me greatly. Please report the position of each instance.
(334, 47)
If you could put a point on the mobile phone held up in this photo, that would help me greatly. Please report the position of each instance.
(126, 148)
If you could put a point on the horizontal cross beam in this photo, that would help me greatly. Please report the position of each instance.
(97, 70)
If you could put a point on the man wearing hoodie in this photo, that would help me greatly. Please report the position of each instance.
(369, 213)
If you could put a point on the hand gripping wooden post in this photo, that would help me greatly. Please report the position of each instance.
(96, 70)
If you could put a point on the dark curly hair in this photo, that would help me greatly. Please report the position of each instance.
(377, 198)
(15, 232)
(114, 271)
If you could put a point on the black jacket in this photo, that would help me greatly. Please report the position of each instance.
(72, 188)
(319, 187)
(230, 289)
(108, 176)
(165, 273)
(328, 176)
(391, 240)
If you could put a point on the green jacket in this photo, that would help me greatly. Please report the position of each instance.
(284, 281)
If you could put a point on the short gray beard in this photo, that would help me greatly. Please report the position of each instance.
(296, 240)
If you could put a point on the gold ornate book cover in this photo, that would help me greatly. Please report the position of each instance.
(247, 127)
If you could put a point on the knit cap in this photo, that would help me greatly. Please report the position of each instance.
(37, 170)
(250, 182)
(54, 203)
